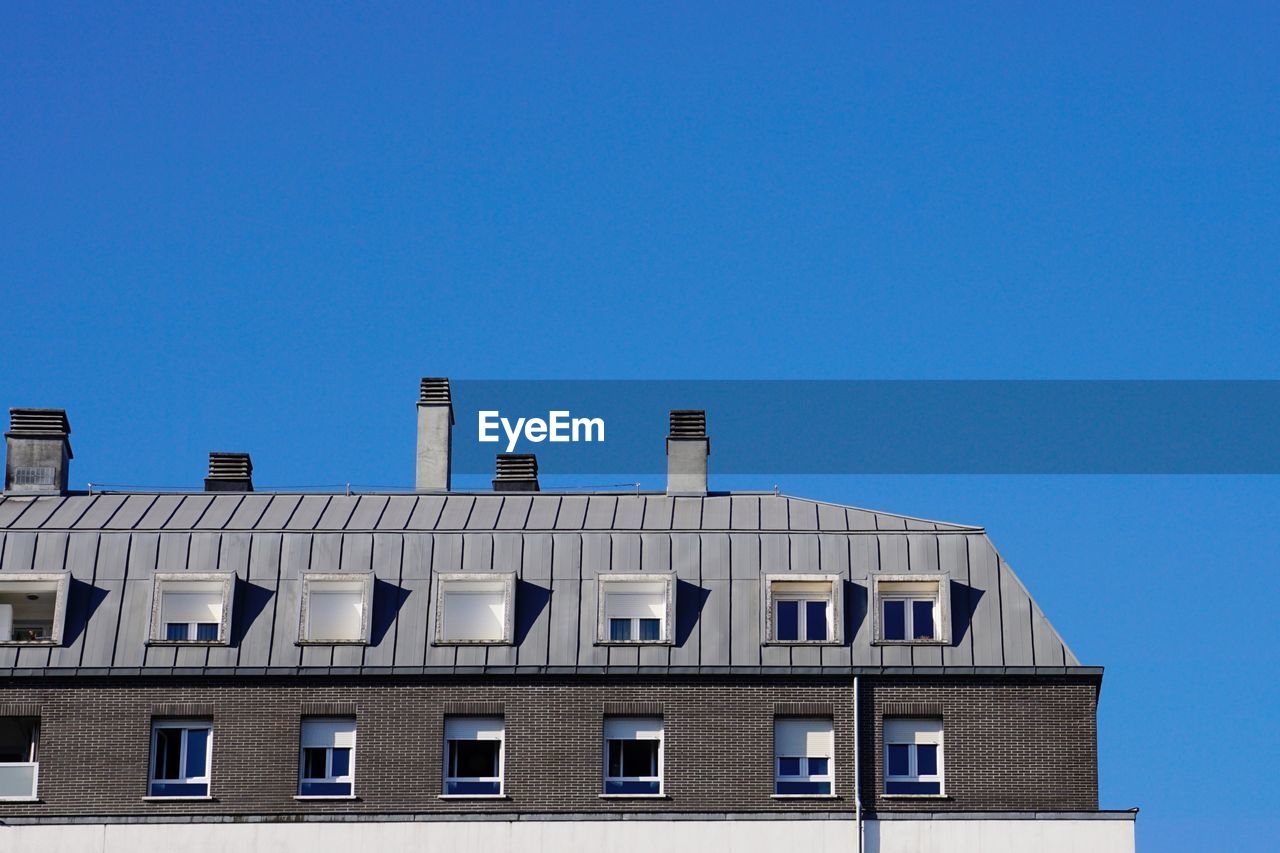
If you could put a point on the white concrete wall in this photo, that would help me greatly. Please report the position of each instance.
(641, 836)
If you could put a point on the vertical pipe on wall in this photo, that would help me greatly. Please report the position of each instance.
(857, 767)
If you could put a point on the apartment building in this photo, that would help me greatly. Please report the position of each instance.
(520, 669)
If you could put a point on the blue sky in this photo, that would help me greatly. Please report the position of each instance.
(254, 228)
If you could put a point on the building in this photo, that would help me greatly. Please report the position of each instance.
(522, 670)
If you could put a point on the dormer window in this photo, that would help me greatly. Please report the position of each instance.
(803, 609)
(191, 608)
(635, 608)
(32, 609)
(335, 608)
(910, 609)
(475, 608)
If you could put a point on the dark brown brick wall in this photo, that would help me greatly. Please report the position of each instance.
(1009, 745)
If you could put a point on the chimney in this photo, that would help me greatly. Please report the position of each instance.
(517, 472)
(687, 450)
(229, 472)
(435, 434)
(37, 452)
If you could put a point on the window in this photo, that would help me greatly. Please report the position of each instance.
(473, 756)
(328, 758)
(635, 608)
(633, 756)
(335, 608)
(910, 609)
(803, 750)
(474, 607)
(32, 608)
(19, 757)
(181, 754)
(189, 607)
(913, 757)
(803, 609)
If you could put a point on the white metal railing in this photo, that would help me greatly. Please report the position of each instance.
(18, 780)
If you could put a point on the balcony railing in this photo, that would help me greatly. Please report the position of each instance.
(18, 780)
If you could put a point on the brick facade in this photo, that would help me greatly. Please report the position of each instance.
(1010, 744)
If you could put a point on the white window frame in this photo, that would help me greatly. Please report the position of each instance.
(486, 725)
(33, 761)
(224, 581)
(61, 580)
(313, 583)
(640, 583)
(329, 778)
(501, 582)
(206, 779)
(829, 777)
(794, 586)
(917, 586)
(912, 733)
(615, 727)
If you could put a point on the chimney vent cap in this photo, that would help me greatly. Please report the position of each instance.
(434, 391)
(517, 467)
(230, 466)
(688, 423)
(39, 422)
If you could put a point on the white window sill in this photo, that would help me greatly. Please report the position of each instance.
(331, 642)
(472, 797)
(802, 643)
(471, 643)
(325, 797)
(634, 797)
(205, 798)
(200, 644)
(45, 643)
(910, 642)
(805, 796)
(625, 643)
(19, 799)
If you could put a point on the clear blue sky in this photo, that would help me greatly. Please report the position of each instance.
(254, 228)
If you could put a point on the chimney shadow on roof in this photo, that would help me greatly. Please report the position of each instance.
(387, 601)
(689, 602)
(531, 600)
(964, 603)
(82, 600)
(855, 609)
(250, 600)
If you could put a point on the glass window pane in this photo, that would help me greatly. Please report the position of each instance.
(639, 757)
(207, 631)
(788, 766)
(818, 766)
(898, 759)
(325, 789)
(614, 764)
(197, 747)
(788, 627)
(912, 787)
(472, 788)
(895, 620)
(179, 789)
(618, 786)
(922, 619)
(619, 629)
(926, 759)
(341, 761)
(175, 631)
(650, 629)
(168, 753)
(475, 758)
(804, 787)
(815, 620)
(314, 762)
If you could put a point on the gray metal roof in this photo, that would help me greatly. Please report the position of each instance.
(718, 547)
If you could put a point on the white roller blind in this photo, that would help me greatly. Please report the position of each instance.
(633, 728)
(475, 615)
(473, 728)
(192, 606)
(913, 731)
(645, 605)
(808, 738)
(329, 733)
(334, 613)
(6, 622)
